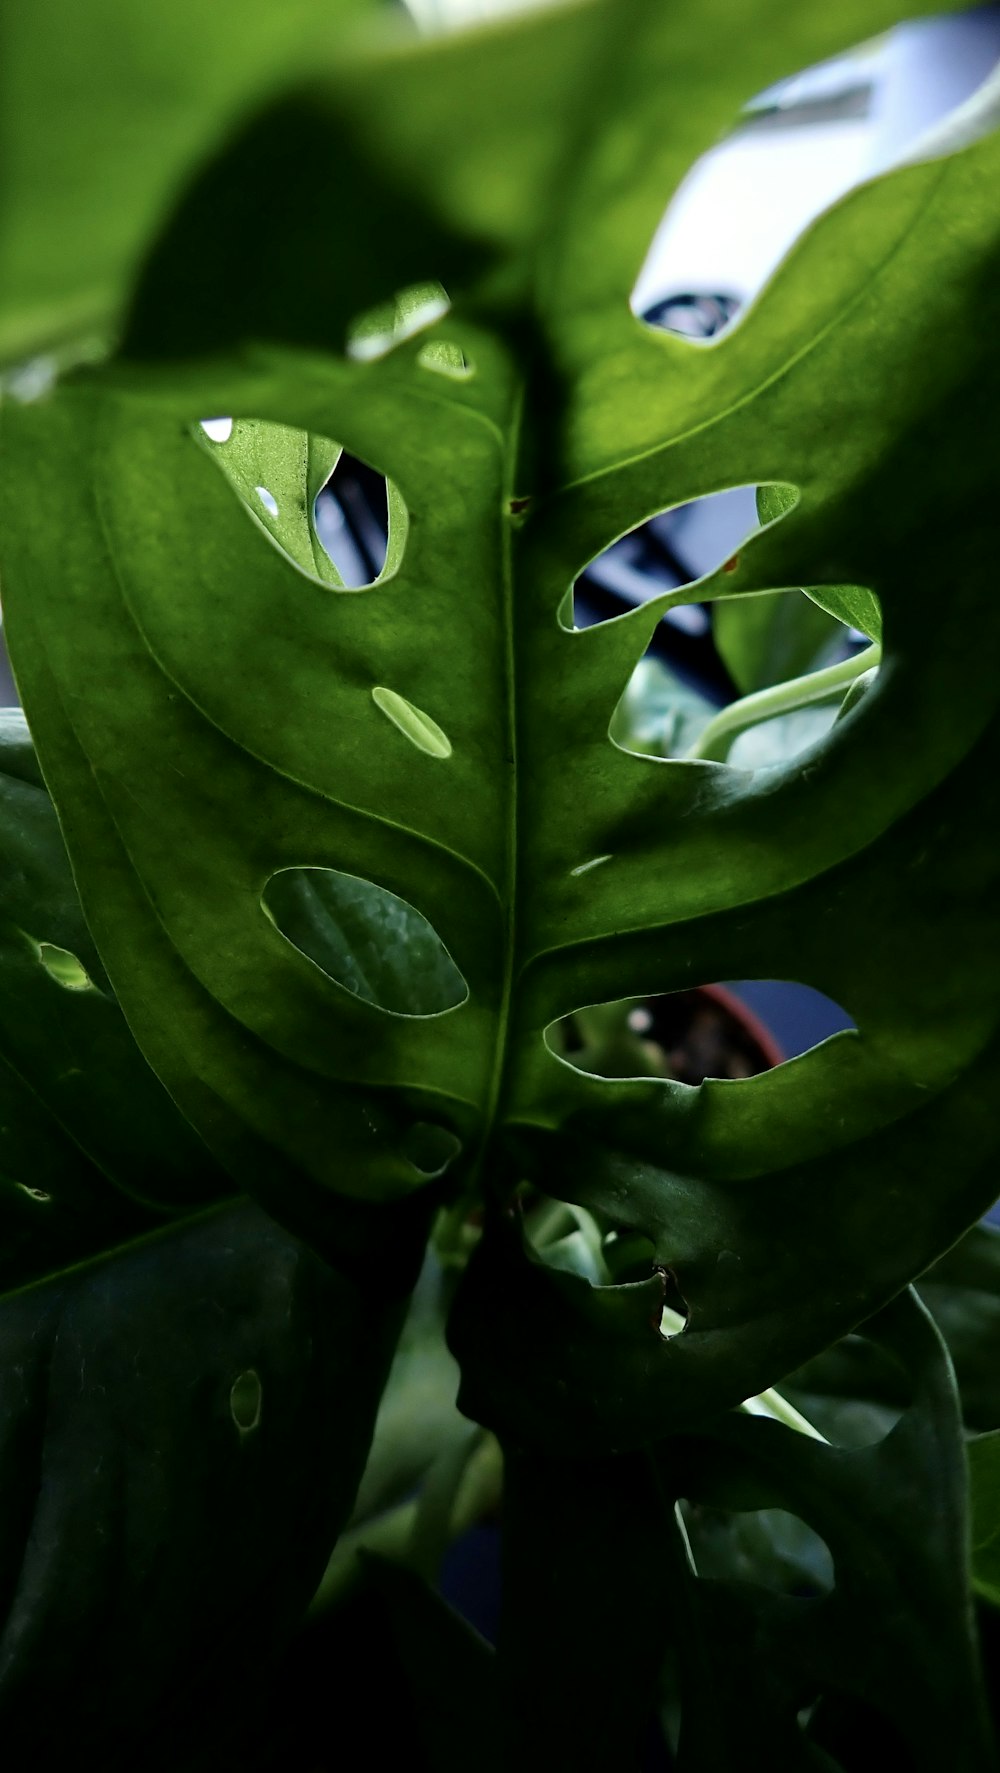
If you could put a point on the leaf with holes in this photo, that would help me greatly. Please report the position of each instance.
(94, 1154)
(893, 1516)
(216, 715)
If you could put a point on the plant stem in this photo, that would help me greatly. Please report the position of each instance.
(780, 698)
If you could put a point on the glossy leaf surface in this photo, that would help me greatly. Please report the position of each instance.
(205, 703)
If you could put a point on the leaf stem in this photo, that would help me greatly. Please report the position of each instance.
(779, 698)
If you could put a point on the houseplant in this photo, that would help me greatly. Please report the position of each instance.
(342, 861)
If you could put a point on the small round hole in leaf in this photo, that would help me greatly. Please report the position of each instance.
(38, 1194)
(217, 430)
(413, 723)
(245, 1400)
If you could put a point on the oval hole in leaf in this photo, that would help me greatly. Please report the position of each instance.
(409, 311)
(38, 1194)
(674, 548)
(767, 1546)
(64, 968)
(709, 1031)
(366, 939)
(446, 358)
(417, 726)
(788, 670)
(360, 520)
(429, 1148)
(245, 1400)
(217, 430)
(333, 516)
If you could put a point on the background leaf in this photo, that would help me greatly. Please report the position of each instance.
(104, 118)
(160, 1538)
(984, 1475)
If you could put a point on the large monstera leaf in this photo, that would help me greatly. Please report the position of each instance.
(234, 742)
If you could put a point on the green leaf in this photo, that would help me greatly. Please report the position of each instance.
(984, 1501)
(106, 114)
(93, 1152)
(754, 641)
(848, 1383)
(658, 716)
(765, 640)
(296, 468)
(587, 1597)
(894, 1518)
(183, 1429)
(204, 707)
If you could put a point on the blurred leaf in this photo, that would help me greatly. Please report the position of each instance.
(659, 715)
(852, 605)
(779, 740)
(107, 111)
(984, 1502)
(766, 640)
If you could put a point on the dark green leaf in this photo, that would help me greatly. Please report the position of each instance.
(93, 1152)
(448, 1672)
(894, 1518)
(848, 1382)
(182, 1430)
(587, 1597)
(984, 1504)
